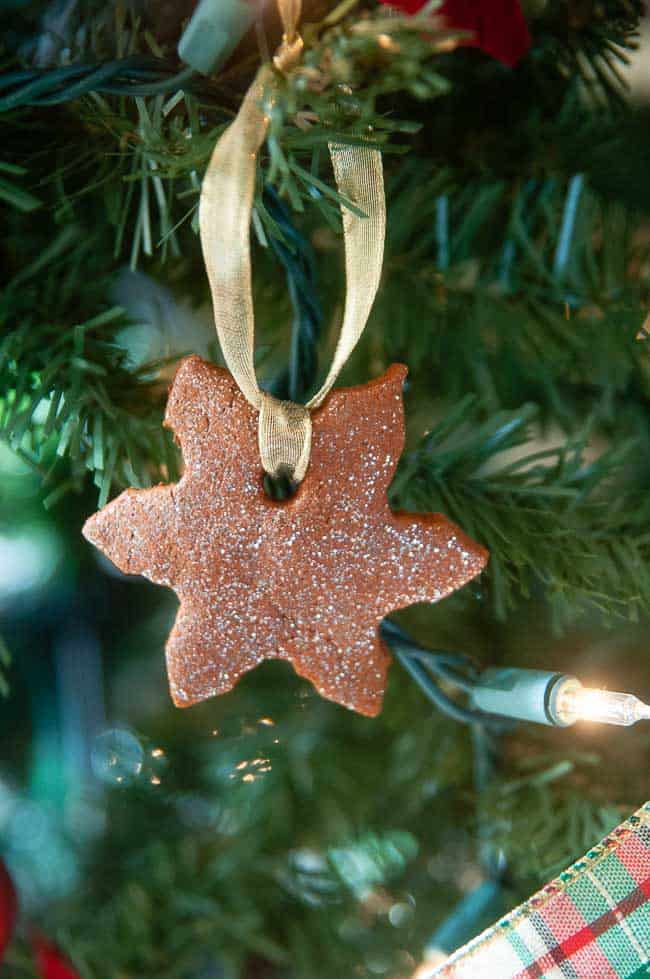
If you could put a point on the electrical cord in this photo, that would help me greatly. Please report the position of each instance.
(433, 691)
(424, 665)
(135, 76)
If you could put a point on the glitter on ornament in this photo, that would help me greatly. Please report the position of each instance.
(307, 580)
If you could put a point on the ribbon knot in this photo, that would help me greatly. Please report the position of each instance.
(289, 53)
(284, 437)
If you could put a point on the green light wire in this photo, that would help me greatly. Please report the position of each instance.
(129, 76)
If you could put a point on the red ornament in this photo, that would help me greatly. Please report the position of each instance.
(50, 963)
(8, 908)
(498, 26)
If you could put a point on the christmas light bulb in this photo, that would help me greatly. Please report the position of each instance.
(557, 699)
(577, 703)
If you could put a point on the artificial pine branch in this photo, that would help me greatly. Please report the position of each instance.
(546, 515)
(492, 263)
(509, 277)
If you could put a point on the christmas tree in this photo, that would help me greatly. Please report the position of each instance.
(269, 832)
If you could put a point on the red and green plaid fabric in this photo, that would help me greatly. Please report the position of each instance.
(592, 922)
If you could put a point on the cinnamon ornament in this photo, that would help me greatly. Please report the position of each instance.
(307, 580)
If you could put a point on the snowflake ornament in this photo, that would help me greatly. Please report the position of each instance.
(306, 580)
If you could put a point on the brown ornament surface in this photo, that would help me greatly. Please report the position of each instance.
(308, 580)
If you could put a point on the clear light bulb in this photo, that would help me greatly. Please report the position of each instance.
(574, 702)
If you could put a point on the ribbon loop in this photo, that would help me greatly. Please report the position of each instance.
(225, 208)
(360, 180)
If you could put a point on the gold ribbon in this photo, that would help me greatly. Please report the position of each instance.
(284, 431)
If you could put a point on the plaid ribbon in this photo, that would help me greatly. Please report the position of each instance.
(591, 922)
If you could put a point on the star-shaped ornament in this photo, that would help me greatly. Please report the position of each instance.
(306, 580)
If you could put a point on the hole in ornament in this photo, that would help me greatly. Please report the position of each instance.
(279, 488)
